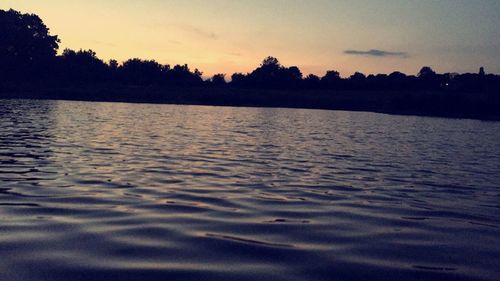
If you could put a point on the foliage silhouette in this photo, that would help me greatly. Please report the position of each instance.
(142, 72)
(26, 47)
(83, 66)
(29, 60)
(218, 80)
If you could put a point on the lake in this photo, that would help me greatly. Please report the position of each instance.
(116, 191)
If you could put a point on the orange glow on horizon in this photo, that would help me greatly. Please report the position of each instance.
(234, 36)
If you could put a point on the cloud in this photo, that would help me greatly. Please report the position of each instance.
(376, 53)
(198, 31)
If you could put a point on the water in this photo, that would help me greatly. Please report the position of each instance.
(110, 191)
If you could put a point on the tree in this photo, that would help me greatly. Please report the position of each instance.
(142, 72)
(181, 75)
(239, 79)
(397, 75)
(426, 71)
(218, 79)
(311, 81)
(356, 81)
(267, 75)
(271, 74)
(429, 80)
(357, 76)
(81, 66)
(26, 47)
(481, 71)
(293, 73)
(331, 79)
(113, 64)
(331, 75)
(270, 62)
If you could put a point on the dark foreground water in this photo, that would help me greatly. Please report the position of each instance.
(109, 191)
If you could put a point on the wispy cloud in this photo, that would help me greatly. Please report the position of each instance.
(199, 31)
(376, 53)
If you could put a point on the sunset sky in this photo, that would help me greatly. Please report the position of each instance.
(235, 35)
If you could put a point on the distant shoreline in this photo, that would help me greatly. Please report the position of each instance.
(32, 67)
(462, 105)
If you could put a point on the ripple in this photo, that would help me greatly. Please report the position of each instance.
(434, 268)
(251, 241)
(20, 204)
(111, 191)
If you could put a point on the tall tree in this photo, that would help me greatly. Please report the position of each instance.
(26, 46)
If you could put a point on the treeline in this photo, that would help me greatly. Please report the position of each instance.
(84, 67)
(28, 54)
(272, 75)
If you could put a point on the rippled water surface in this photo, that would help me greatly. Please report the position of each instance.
(110, 191)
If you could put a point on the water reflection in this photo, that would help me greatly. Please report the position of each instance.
(109, 191)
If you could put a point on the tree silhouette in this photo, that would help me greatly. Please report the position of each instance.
(271, 62)
(26, 47)
(426, 71)
(271, 74)
(142, 72)
(311, 78)
(331, 79)
(356, 81)
(239, 80)
(218, 79)
(181, 75)
(28, 61)
(81, 66)
(357, 76)
(266, 75)
(331, 75)
(293, 73)
(113, 64)
(429, 80)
